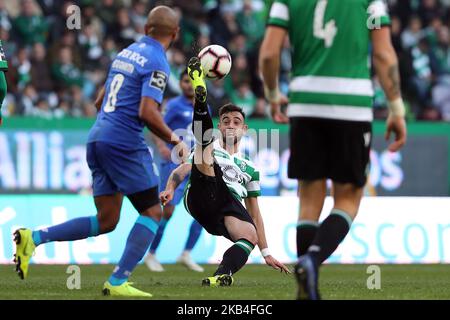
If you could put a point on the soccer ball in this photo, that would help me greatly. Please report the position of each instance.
(216, 61)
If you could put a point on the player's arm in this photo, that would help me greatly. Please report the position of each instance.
(251, 203)
(385, 63)
(252, 206)
(269, 64)
(99, 101)
(153, 119)
(163, 150)
(176, 177)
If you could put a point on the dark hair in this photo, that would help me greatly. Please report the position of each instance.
(229, 107)
(183, 73)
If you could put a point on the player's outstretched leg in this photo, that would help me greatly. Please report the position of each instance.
(197, 76)
(202, 124)
(185, 258)
(108, 212)
(233, 260)
(27, 240)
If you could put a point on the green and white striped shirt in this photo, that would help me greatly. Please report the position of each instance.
(331, 61)
(239, 173)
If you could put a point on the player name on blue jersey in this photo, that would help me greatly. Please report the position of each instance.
(133, 56)
(122, 65)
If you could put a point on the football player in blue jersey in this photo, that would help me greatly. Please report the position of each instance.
(118, 155)
(178, 116)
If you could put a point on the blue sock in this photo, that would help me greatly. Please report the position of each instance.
(155, 244)
(194, 234)
(76, 229)
(139, 239)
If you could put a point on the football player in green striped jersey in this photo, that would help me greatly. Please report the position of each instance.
(220, 179)
(3, 86)
(330, 111)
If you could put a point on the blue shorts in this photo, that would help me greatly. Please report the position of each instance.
(165, 169)
(117, 169)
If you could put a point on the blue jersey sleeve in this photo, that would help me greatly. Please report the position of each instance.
(154, 81)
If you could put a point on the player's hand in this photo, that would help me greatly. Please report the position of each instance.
(184, 152)
(398, 126)
(181, 152)
(166, 196)
(275, 109)
(274, 263)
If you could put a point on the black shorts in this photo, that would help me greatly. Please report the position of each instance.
(144, 200)
(326, 148)
(209, 201)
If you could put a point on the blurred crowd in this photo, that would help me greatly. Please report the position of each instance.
(420, 35)
(56, 70)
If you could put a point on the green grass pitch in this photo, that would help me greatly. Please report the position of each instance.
(252, 282)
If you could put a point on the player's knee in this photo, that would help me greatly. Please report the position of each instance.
(154, 212)
(107, 228)
(252, 236)
(107, 224)
(347, 190)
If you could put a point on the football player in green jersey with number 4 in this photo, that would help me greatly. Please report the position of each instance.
(329, 110)
(3, 87)
(220, 178)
